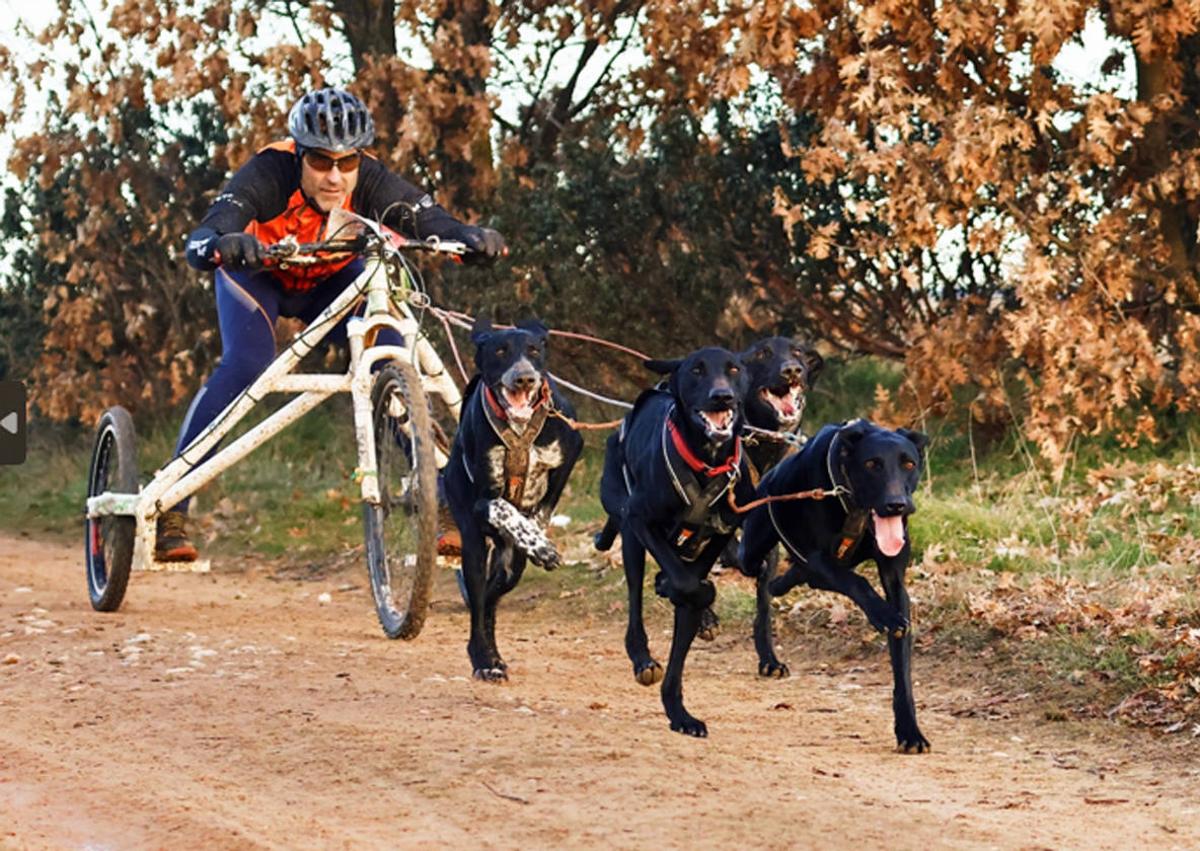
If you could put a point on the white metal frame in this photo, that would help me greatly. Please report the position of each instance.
(185, 475)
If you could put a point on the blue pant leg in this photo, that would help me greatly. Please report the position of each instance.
(247, 307)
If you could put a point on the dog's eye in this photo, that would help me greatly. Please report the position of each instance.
(908, 465)
(763, 354)
(734, 369)
(873, 465)
(535, 351)
(501, 351)
(698, 369)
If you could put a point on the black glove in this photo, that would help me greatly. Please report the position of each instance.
(239, 251)
(485, 244)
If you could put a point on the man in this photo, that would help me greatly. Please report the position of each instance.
(288, 189)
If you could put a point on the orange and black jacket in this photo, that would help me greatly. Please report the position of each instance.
(264, 198)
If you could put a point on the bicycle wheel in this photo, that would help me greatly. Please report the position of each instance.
(401, 530)
(108, 540)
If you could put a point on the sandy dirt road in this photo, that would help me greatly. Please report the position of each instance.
(235, 710)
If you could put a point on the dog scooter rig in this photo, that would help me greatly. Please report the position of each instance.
(398, 455)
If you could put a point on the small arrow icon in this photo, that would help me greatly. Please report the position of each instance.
(9, 423)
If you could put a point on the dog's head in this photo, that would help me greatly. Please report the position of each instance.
(512, 364)
(709, 387)
(882, 468)
(780, 370)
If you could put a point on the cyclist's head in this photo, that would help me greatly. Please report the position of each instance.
(332, 120)
(329, 126)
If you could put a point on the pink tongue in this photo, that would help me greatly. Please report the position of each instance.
(889, 534)
(518, 402)
(788, 408)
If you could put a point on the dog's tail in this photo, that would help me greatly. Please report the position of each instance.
(605, 537)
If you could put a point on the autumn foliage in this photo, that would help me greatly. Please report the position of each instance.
(918, 181)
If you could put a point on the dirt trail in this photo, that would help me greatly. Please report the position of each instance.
(235, 710)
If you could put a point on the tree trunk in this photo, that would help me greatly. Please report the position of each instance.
(1177, 226)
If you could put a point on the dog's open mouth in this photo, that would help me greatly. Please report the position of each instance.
(785, 401)
(889, 534)
(718, 424)
(519, 402)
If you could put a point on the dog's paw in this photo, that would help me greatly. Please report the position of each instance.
(491, 675)
(546, 556)
(690, 726)
(606, 537)
(887, 620)
(523, 533)
(710, 625)
(912, 742)
(648, 673)
(773, 669)
(785, 582)
(895, 628)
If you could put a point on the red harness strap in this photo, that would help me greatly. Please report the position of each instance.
(695, 463)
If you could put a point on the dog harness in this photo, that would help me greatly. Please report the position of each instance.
(855, 525)
(701, 487)
(517, 444)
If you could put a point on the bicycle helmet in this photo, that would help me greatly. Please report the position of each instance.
(332, 119)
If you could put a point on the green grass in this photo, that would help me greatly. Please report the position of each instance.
(297, 495)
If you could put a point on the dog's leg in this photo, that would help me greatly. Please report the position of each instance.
(687, 622)
(608, 535)
(764, 633)
(710, 624)
(509, 568)
(820, 573)
(758, 541)
(645, 669)
(613, 494)
(908, 735)
(504, 570)
(759, 557)
(474, 559)
(683, 586)
(729, 555)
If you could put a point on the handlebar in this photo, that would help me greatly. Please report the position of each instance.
(289, 252)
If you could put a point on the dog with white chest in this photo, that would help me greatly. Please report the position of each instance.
(511, 458)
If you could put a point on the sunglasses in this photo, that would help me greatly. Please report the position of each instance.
(323, 162)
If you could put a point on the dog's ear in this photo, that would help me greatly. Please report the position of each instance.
(918, 438)
(813, 361)
(481, 330)
(851, 433)
(536, 328)
(662, 367)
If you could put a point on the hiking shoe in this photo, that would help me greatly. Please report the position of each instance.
(449, 541)
(172, 542)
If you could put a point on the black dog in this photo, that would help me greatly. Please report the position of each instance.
(874, 471)
(665, 487)
(508, 466)
(780, 371)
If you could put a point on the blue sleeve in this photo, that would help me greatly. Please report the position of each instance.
(386, 197)
(258, 191)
